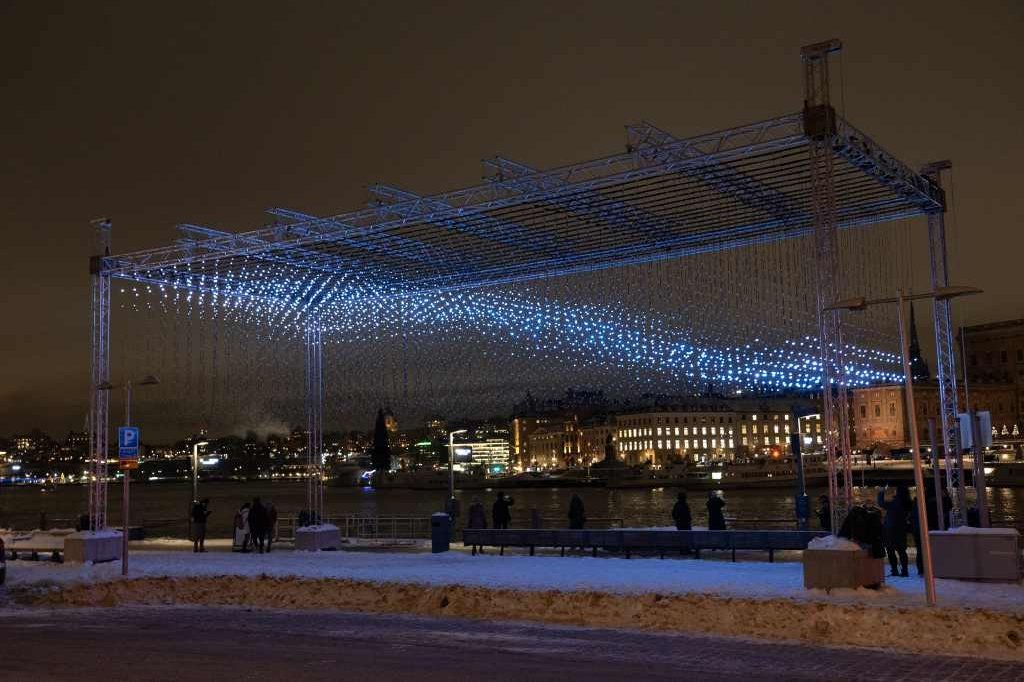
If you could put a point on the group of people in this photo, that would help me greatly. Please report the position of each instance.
(501, 513)
(254, 524)
(684, 519)
(901, 518)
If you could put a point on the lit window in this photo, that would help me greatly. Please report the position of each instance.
(677, 444)
(731, 443)
(713, 430)
(677, 431)
(659, 443)
(687, 442)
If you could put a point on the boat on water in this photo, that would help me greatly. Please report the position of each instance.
(754, 473)
(437, 479)
(1005, 475)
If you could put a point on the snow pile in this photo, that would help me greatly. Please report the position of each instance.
(970, 530)
(835, 543)
(106, 533)
(317, 528)
(992, 634)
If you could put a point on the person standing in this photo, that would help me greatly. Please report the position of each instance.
(477, 515)
(681, 512)
(200, 512)
(824, 513)
(242, 528)
(577, 517)
(716, 517)
(894, 528)
(258, 524)
(500, 512)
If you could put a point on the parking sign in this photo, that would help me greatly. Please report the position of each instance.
(128, 442)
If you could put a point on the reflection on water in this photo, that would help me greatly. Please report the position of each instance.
(155, 502)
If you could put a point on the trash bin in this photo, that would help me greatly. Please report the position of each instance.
(440, 532)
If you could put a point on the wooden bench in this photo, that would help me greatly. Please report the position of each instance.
(629, 541)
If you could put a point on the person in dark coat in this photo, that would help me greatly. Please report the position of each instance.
(681, 513)
(716, 517)
(500, 512)
(477, 515)
(200, 512)
(577, 518)
(894, 528)
(258, 523)
(824, 513)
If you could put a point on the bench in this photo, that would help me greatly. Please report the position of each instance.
(33, 544)
(629, 541)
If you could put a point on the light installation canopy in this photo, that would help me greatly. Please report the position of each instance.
(679, 264)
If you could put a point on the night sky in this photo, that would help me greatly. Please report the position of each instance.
(211, 112)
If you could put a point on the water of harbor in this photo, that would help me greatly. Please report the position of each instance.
(162, 507)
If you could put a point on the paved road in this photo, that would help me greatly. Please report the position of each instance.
(198, 643)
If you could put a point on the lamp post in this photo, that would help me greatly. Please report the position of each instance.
(451, 465)
(860, 303)
(126, 471)
(195, 468)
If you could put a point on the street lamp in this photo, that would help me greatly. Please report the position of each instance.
(195, 468)
(148, 380)
(861, 303)
(451, 465)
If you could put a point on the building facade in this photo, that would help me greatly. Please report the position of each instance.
(709, 433)
(994, 353)
(879, 412)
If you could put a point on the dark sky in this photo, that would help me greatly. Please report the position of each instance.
(159, 113)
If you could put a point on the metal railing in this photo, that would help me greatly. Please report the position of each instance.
(361, 527)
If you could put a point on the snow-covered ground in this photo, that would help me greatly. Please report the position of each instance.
(750, 579)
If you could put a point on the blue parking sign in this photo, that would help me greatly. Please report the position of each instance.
(128, 442)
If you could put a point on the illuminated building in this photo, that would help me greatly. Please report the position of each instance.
(879, 411)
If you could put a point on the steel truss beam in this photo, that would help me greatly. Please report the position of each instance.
(474, 203)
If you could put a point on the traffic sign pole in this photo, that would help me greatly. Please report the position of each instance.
(128, 455)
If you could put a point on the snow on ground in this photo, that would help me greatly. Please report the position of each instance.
(750, 579)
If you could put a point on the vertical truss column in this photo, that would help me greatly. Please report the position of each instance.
(314, 420)
(99, 400)
(945, 349)
(820, 128)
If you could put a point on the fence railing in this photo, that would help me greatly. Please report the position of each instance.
(365, 527)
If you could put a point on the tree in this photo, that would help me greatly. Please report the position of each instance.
(381, 454)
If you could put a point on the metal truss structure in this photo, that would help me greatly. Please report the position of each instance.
(945, 354)
(819, 124)
(808, 173)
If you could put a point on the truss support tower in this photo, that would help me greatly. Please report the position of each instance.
(945, 349)
(821, 129)
(314, 420)
(99, 399)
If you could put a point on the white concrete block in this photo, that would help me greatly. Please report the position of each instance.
(314, 538)
(92, 546)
